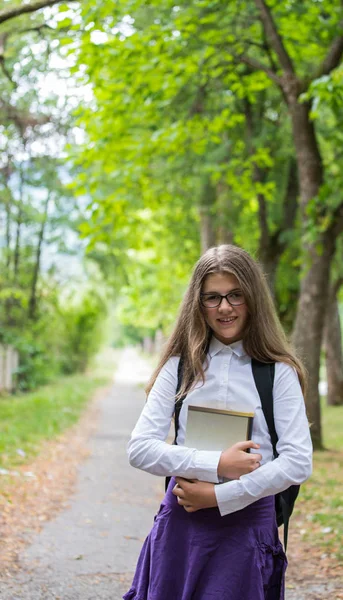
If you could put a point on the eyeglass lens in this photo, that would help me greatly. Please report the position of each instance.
(214, 300)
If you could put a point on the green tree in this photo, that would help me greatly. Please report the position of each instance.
(186, 89)
(39, 213)
(180, 137)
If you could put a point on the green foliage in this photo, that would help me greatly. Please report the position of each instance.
(39, 213)
(62, 340)
(38, 363)
(181, 127)
(27, 420)
(83, 321)
(176, 111)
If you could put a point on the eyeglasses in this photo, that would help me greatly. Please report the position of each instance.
(214, 300)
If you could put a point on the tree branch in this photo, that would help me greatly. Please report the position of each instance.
(257, 66)
(274, 36)
(290, 205)
(3, 40)
(6, 15)
(269, 52)
(259, 176)
(333, 57)
(21, 119)
(337, 221)
(38, 29)
(290, 201)
(6, 72)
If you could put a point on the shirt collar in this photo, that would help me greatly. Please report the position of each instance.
(216, 346)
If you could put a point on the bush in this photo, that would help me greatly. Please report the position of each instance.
(61, 340)
(83, 334)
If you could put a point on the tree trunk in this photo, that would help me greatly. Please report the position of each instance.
(271, 245)
(207, 234)
(333, 352)
(224, 217)
(269, 250)
(16, 259)
(206, 212)
(310, 319)
(309, 322)
(33, 295)
(8, 237)
(8, 301)
(308, 331)
(224, 235)
(270, 262)
(309, 160)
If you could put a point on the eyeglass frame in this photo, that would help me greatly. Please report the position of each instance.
(221, 299)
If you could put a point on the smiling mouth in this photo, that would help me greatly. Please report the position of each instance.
(230, 320)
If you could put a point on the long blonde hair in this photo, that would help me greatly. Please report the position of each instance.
(264, 338)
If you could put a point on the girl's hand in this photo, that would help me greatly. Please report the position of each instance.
(235, 462)
(194, 495)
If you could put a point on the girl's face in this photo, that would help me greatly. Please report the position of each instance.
(227, 322)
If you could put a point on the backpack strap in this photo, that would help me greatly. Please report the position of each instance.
(179, 402)
(264, 374)
(177, 410)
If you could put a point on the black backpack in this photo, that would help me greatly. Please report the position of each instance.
(263, 374)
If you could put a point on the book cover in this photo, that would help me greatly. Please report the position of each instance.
(215, 429)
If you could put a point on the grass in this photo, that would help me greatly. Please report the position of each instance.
(333, 427)
(26, 420)
(319, 510)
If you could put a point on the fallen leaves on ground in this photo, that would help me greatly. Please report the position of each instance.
(315, 545)
(27, 501)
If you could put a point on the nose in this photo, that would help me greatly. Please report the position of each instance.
(224, 305)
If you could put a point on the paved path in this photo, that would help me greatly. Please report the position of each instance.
(89, 551)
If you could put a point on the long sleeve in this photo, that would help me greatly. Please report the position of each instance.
(294, 463)
(147, 448)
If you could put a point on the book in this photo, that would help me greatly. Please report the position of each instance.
(215, 429)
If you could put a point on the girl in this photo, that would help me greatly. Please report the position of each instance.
(208, 541)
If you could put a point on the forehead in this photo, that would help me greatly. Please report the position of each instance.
(220, 282)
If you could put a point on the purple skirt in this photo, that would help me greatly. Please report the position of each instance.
(203, 556)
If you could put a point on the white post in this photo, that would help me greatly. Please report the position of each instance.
(2, 367)
(9, 360)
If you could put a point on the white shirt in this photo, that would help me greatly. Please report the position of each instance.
(229, 384)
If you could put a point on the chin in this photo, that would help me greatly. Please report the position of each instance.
(228, 339)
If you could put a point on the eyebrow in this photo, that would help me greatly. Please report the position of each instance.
(216, 292)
